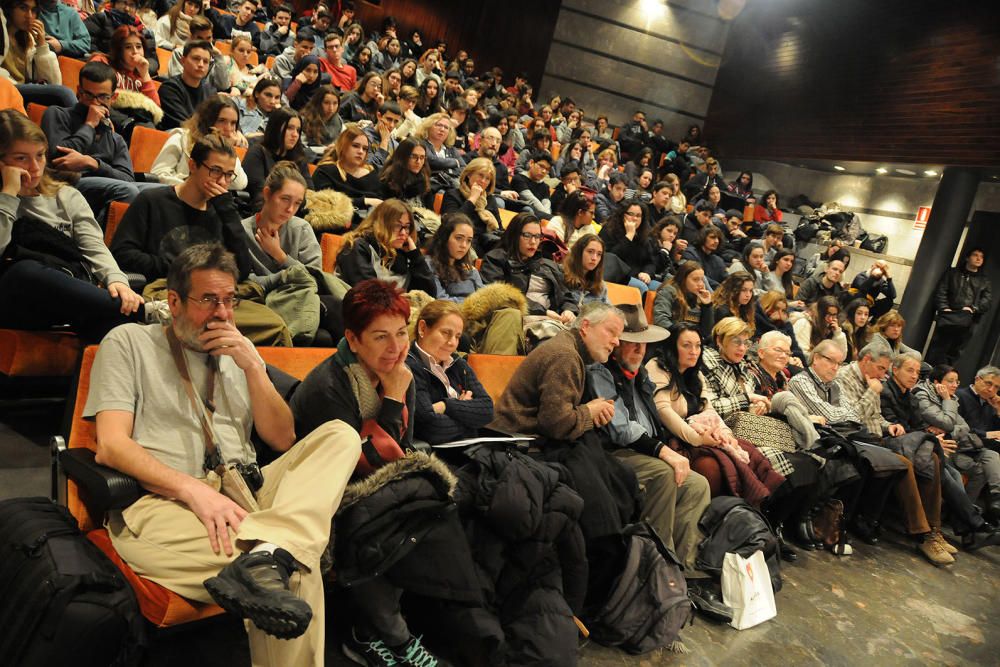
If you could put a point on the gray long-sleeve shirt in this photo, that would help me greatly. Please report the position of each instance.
(297, 239)
(68, 212)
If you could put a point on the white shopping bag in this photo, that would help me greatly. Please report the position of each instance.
(746, 587)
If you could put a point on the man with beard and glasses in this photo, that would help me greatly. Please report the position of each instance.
(175, 406)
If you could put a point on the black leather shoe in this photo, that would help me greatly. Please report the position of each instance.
(787, 553)
(868, 530)
(993, 510)
(803, 534)
(979, 539)
(708, 601)
(255, 586)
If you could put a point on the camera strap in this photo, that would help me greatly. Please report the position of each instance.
(202, 408)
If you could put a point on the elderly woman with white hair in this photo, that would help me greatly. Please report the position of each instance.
(766, 377)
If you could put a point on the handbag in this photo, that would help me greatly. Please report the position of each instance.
(762, 431)
(954, 318)
(826, 524)
(746, 588)
(31, 238)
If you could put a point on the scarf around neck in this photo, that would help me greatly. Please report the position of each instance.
(361, 386)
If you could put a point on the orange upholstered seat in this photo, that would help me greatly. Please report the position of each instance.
(330, 245)
(622, 295)
(648, 305)
(146, 145)
(35, 112)
(159, 606)
(494, 371)
(38, 353)
(70, 70)
(116, 211)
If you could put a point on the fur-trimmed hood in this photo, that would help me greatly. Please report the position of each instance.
(131, 99)
(479, 306)
(414, 463)
(329, 210)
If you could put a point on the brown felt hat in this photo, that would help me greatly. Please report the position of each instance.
(637, 330)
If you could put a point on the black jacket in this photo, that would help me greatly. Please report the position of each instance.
(355, 264)
(178, 101)
(637, 253)
(959, 288)
(454, 200)
(900, 408)
(980, 416)
(498, 268)
(461, 419)
(258, 163)
(523, 523)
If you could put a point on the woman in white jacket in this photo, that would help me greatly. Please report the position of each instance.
(219, 114)
(27, 59)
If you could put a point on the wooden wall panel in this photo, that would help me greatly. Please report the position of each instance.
(514, 35)
(875, 81)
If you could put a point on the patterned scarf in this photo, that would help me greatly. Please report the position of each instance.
(362, 387)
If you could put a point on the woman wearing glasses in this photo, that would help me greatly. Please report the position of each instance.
(516, 261)
(384, 246)
(474, 198)
(437, 133)
(216, 114)
(626, 235)
(58, 257)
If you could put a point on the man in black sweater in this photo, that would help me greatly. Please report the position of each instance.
(179, 95)
(162, 223)
(532, 189)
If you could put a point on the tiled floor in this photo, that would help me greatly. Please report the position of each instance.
(882, 606)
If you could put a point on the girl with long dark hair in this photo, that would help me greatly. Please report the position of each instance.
(282, 140)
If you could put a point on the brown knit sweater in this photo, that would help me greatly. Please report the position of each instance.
(543, 397)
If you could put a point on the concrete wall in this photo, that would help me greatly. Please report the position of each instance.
(615, 56)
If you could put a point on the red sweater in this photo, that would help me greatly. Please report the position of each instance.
(343, 77)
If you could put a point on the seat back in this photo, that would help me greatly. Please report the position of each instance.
(623, 295)
(164, 56)
(116, 211)
(223, 47)
(330, 245)
(241, 152)
(146, 145)
(70, 70)
(438, 201)
(494, 371)
(648, 305)
(35, 112)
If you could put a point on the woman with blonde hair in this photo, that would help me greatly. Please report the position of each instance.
(344, 168)
(218, 113)
(37, 293)
(174, 27)
(888, 331)
(678, 202)
(384, 246)
(474, 198)
(437, 133)
(243, 75)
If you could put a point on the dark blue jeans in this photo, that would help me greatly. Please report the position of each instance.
(965, 516)
(34, 296)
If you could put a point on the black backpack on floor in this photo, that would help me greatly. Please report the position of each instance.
(62, 602)
(733, 526)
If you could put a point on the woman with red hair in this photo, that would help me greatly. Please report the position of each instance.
(136, 95)
(368, 385)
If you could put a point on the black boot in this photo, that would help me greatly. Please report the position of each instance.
(787, 553)
(707, 600)
(869, 530)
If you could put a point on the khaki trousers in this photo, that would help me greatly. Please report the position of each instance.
(164, 541)
(504, 334)
(673, 511)
(256, 321)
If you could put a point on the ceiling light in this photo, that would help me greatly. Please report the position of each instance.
(881, 170)
(839, 168)
(930, 172)
(906, 172)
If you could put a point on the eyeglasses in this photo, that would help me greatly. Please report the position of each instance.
(103, 98)
(402, 228)
(832, 361)
(780, 350)
(633, 216)
(217, 173)
(740, 342)
(531, 237)
(417, 158)
(213, 302)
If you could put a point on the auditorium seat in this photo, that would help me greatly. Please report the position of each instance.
(38, 353)
(494, 371)
(164, 56)
(622, 295)
(116, 211)
(161, 607)
(648, 305)
(35, 112)
(146, 145)
(330, 245)
(70, 70)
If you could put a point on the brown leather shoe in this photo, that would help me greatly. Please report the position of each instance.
(934, 552)
(945, 544)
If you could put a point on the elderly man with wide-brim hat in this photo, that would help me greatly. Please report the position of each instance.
(674, 495)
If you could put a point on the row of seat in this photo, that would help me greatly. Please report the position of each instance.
(164, 608)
